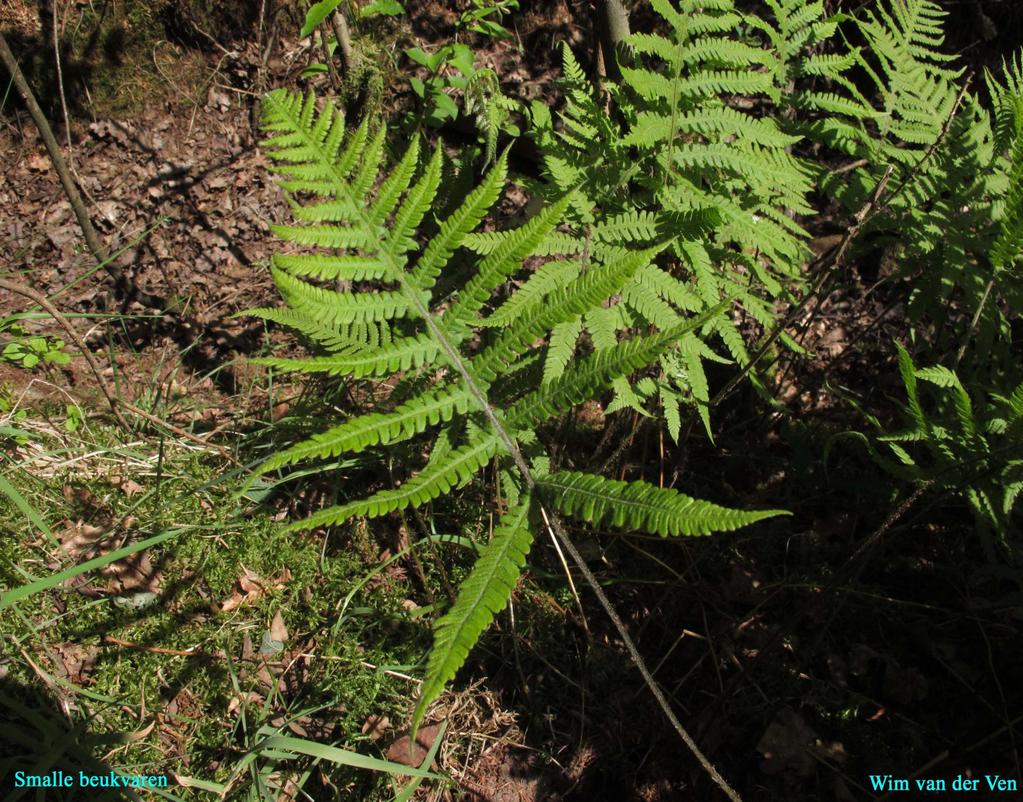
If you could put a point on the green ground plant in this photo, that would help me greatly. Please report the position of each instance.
(116, 580)
(671, 219)
(480, 396)
(913, 158)
(665, 246)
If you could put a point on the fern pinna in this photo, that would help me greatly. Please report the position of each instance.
(713, 112)
(679, 141)
(467, 388)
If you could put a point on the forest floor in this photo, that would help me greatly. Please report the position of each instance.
(864, 635)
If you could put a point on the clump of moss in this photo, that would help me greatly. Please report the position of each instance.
(119, 58)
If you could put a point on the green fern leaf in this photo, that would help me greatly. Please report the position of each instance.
(562, 346)
(453, 471)
(484, 593)
(378, 428)
(548, 278)
(589, 376)
(348, 267)
(500, 263)
(539, 318)
(404, 353)
(466, 217)
(639, 505)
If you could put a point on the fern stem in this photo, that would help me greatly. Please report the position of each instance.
(974, 323)
(125, 287)
(554, 525)
(827, 270)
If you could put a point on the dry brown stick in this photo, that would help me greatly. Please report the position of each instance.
(335, 79)
(44, 302)
(60, 84)
(112, 641)
(873, 206)
(96, 247)
(134, 410)
(115, 403)
(829, 265)
(344, 41)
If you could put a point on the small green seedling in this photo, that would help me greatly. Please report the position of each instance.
(28, 352)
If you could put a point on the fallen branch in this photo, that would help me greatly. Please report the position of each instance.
(125, 287)
(116, 404)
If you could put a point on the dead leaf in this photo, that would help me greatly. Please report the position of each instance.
(376, 726)
(132, 574)
(38, 163)
(404, 751)
(127, 486)
(139, 735)
(290, 791)
(786, 745)
(239, 698)
(251, 586)
(80, 539)
(278, 631)
(76, 660)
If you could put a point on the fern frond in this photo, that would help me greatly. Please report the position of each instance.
(396, 184)
(337, 308)
(548, 278)
(454, 228)
(650, 128)
(378, 428)
(454, 470)
(1005, 94)
(501, 262)
(536, 320)
(404, 353)
(1008, 246)
(368, 220)
(484, 593)
(639, 505)
(561, 348)
(349, 267)
(652, 86)
(334, 339)
(415, 206)
(587, 377)
(326, 236)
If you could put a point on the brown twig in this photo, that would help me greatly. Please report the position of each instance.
(92, 240)
(827, 265)
(111, 640)
(60, 85)
(134, 410)
(344, 41)
(335, 79)
(116, 404)
(44, 302)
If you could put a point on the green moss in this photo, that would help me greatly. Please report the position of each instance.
(166, 687)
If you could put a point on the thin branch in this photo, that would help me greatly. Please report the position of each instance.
(60, 85)
(116, 404)
(829, 262)
(344, 41)
(43, 301)
(92, 240)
